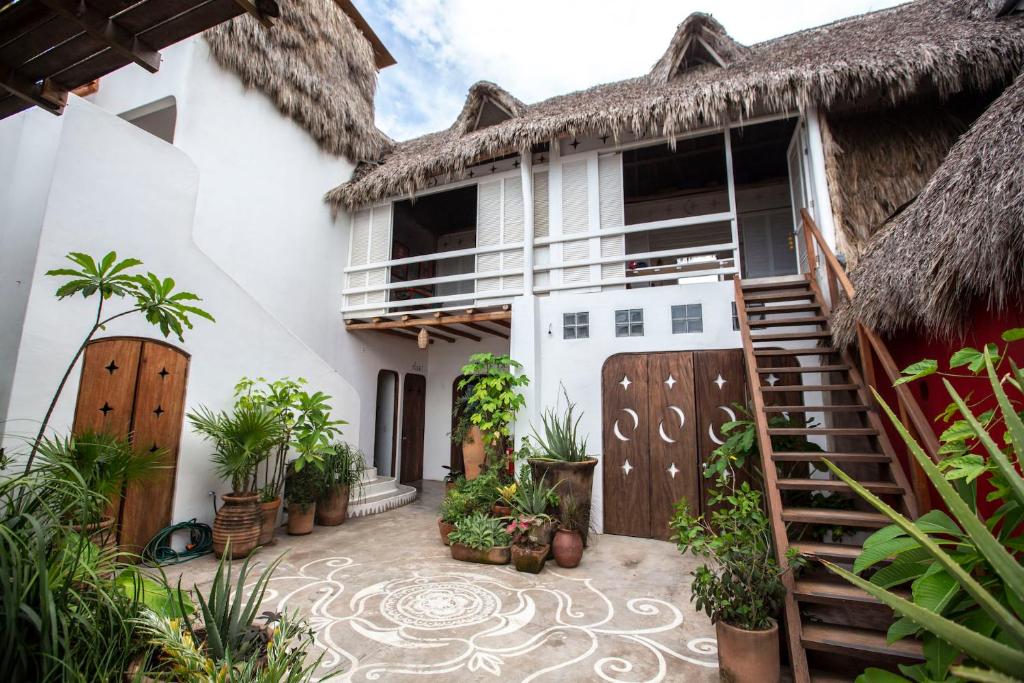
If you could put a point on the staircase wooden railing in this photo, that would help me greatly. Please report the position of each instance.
(871, 347)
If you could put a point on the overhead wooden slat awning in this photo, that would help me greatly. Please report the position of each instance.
(441, 324)
(50, 47)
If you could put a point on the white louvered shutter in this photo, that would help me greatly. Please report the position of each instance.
(609, 168)
(575, 219)
(512, 232)
(488, 234)
(541, 224)
(359, 256)
(379, 252)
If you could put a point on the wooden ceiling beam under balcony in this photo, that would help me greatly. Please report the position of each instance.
(448, 322)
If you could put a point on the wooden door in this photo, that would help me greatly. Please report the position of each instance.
(626, 462)
(719, 383)
(414, 401)
(672, 438)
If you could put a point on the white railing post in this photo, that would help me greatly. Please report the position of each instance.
(526, 170)
(733, 222)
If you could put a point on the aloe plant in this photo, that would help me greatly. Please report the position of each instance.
(561, 440)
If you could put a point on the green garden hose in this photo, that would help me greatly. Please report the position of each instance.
(159, 551)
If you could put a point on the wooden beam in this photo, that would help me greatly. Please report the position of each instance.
(107, 30)
(488, 330)
(45, 95)
(435, 333)
(403, 335)
(252, 10)
(499, 317)
(453, 330)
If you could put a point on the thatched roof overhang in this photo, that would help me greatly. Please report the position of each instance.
(942, 45)
(959, 247)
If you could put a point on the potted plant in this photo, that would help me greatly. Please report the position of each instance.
(302, 487)
(529, 551)
(242, 440)
(342, 475)
(104, 464)
(567, 546)
(533, 500)
(451, 478)
(481, 538)
(560, 456)
(454, 507)
(490, 400)
(467, 435)
(503, 507)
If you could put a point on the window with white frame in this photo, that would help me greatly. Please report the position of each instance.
(687, 318)
(576, 325)
(629, 322)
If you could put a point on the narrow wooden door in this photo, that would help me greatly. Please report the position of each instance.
(672, 438)
(626, 462)
(414, 401)
(719, 384)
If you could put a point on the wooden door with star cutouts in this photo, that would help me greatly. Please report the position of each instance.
(658, 427)
(135, 388)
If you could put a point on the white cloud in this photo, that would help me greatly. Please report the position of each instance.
(540, 48)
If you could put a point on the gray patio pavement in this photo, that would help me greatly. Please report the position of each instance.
(388, 603)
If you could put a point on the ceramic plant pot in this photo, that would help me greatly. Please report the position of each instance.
(268, 522)
(499, 555)
(332, 509)
(239, 521)
(568, 548)
(577, 481)
(300, 518)
(473, 453)
(748, 656)
(445, 528)
(529, 560)
(501, 510)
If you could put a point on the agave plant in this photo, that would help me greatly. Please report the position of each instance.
(561, 440)
(533, 498)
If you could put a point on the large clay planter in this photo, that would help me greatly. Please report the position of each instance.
(473, 453)
(268, 522)
(577, 481)
(101, 533)
(499, 555)
(300, 519)
(332, 509)
(748, 656)
(529, 560)
(445, 528)
(568, 548)
(238, 521)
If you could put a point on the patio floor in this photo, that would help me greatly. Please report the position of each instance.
(388, 603)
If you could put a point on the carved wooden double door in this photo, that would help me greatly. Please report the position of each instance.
(661, 417)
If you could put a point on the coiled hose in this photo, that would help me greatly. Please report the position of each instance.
(159, 551)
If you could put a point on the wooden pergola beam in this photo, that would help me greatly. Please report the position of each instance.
(488, 330)
(254, 11)
(45, 95)
(499, 317)
(435, 333)
(453, 330)
(107, 30)
(403, 335)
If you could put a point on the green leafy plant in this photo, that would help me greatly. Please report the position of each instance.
(456, 505)
(303, 487)
(966, 578)
(484, 489)
(561, 440)
(480, 532)
(491, 384)
(343, 465)
(533, 499)
(107, 278)
(242, 439)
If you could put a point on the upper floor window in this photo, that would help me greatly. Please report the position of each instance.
(576, 325)
(687, 318)
(629, 322)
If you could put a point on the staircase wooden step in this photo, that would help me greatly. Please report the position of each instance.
(781, 282)
(832, 593)
(787, 308)
(804, 369)
(780, 295)
(822, 431)
(853, 518)
(812, 351)
(790, 336)
(834, 552)
(789, 322)
(779, 388)
(846, 640)
(852, 458)
(856, 408)
(883, 488)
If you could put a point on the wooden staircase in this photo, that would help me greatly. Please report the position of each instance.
(832, 627)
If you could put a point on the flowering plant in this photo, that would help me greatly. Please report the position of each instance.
(508, 493)
(526, 531)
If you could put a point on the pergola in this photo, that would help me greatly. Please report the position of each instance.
(495, 321)
(51, 47)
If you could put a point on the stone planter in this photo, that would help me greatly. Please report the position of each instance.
(332, 509)
(577, 481)
(239, 522)
(529, 560)
(445, 528)
(268, 521)
(473, 452)
(568, 548)
(499, 555)
(748, 656)
(300, 518)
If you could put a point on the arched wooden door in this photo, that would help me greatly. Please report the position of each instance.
(135, 388)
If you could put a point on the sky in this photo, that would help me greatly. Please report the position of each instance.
(536, 49)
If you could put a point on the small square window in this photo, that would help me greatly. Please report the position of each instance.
(576, 325)
(629, 322)
(688, 318)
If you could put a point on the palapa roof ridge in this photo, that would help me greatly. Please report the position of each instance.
(699, 26)
(478, 95)
(946, 45)
(958, 246)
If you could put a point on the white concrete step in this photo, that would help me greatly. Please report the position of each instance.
(376, 487)
(390, 498)
(369, 474)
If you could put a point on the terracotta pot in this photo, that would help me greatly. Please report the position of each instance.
(102, 533)
(499, 555)
(529, 560)
(499, 510)
(445, 528)
(268, 521)
(238, 521)
(473, 453)
(577, 481)
(449, 485)
(748, 656)
(332, 509)
(568, 548)
(300, 518)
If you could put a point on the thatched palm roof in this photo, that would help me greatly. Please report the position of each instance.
(959, 246)
(480, 93)
(944, 45)
(317, 67)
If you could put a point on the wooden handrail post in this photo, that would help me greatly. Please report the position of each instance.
(812, 257)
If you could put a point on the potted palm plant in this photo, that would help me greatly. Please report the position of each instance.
(481, 538)
(490, 399)
(342, 476)
(302, 487)
(567, 546)
(242, 439)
